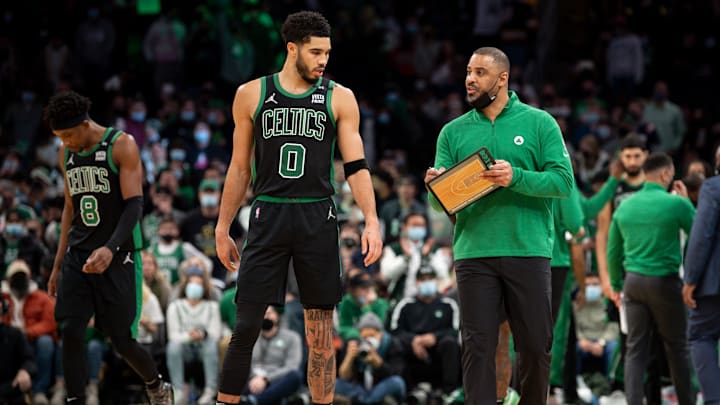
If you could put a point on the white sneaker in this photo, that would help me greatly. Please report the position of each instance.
(615, 398)
(207, 397)
(91, 394)
(40, 399)
(58, 396)
(179, 397)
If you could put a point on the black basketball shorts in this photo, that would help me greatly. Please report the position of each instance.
(113, 297)
(307, 232)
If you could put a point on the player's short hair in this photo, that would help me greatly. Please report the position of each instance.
(299, 27)
(633, 141)
(66, 106)
(498, 56)
(657, 161)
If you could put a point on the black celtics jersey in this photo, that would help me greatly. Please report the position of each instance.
(622, 192)
(94, 184)
(294, 139)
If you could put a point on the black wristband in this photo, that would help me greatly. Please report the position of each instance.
(355, 166)
(129, 217)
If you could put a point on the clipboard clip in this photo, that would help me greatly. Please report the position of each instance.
(486, 157)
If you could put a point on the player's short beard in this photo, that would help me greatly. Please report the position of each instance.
(304, 71)
(633, 173)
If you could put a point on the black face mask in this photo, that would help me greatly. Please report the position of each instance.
(167, 238)
(20, 284)
(348, 242)
(484, 99)
(267, 324)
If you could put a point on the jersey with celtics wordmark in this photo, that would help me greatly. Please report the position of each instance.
(294, 138)
(94, 183)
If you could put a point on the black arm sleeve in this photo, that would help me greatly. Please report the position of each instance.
(128, 219)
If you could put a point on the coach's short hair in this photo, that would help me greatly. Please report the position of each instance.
(299, 27)
(657, 161)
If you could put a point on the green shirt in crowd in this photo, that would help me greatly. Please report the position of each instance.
(515, 220)
(349, 312)
(645, 230)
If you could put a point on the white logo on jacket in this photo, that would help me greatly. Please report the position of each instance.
(519, 140)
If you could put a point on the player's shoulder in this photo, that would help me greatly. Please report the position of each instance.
(250, 88)
(341, 90)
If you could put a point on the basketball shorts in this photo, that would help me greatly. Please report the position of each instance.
(305, 232)
(113, 297)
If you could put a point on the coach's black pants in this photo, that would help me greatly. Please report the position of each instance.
(522, 285)
(657, 299)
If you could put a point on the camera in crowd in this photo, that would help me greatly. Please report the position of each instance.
(364, 348)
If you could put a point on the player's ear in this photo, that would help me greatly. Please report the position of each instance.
(292, 48)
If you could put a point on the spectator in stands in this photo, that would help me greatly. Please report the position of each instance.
(360, 299)
(162, 200)
(193, 325)
(372, 367)
(170, 251)
(275, 365)
(597, 337)
(17, 243)
(667, 118)
(402, 259)
(32, 312)
(17, 365)
(395, 210)
(427, 326)
(155, 280)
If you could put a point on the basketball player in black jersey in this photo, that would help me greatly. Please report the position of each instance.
(97, 270)
(287, 124)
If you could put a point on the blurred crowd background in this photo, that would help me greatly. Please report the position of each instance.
(166, 72)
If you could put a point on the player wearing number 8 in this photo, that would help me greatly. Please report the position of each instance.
(288, 124)
(97, 270)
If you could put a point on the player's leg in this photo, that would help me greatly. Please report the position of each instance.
(261, 282)
(503, 364)
(73, 310)
(118, 296)
(316, 259)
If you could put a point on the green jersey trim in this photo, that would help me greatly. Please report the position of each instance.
(328, 102)
(110, 160)
(97, 145)
(292, 200)
(260, 100)
(276, 79)
(138, 295)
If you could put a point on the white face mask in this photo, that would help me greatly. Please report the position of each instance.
(375, 342)
(209, 200)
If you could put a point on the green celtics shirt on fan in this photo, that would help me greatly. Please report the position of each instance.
(515, 220)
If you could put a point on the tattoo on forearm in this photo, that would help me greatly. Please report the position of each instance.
(321, 364)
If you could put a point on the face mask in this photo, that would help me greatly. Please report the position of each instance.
(484, 99)
(348, 242)
(427, 288)
(15, 230)
(374, 342)
(27, 97)
(209, 200)
(361, 300)
(603, 131)
(593, 293)
(202, 136)
(417, 233)
(137, 116)
(659, 96)
(267, 324)
(167, 238)
(212, 118)
(187, 115)
(194, 291)
(177, 155)
(178, 173)
(590, 117)
(20, 284)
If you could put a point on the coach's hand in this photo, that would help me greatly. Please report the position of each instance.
(432, 172)
(98, 261)
(500, 173)
(227, 251)
(371, 242)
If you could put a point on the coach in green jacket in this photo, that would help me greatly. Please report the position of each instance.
(503, 242)
(645, 230)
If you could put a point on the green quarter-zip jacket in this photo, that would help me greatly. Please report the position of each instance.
(515, 220)
(645, 230)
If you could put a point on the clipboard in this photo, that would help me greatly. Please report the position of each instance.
(462, 185)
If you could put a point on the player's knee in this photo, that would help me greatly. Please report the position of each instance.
(122, 344)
